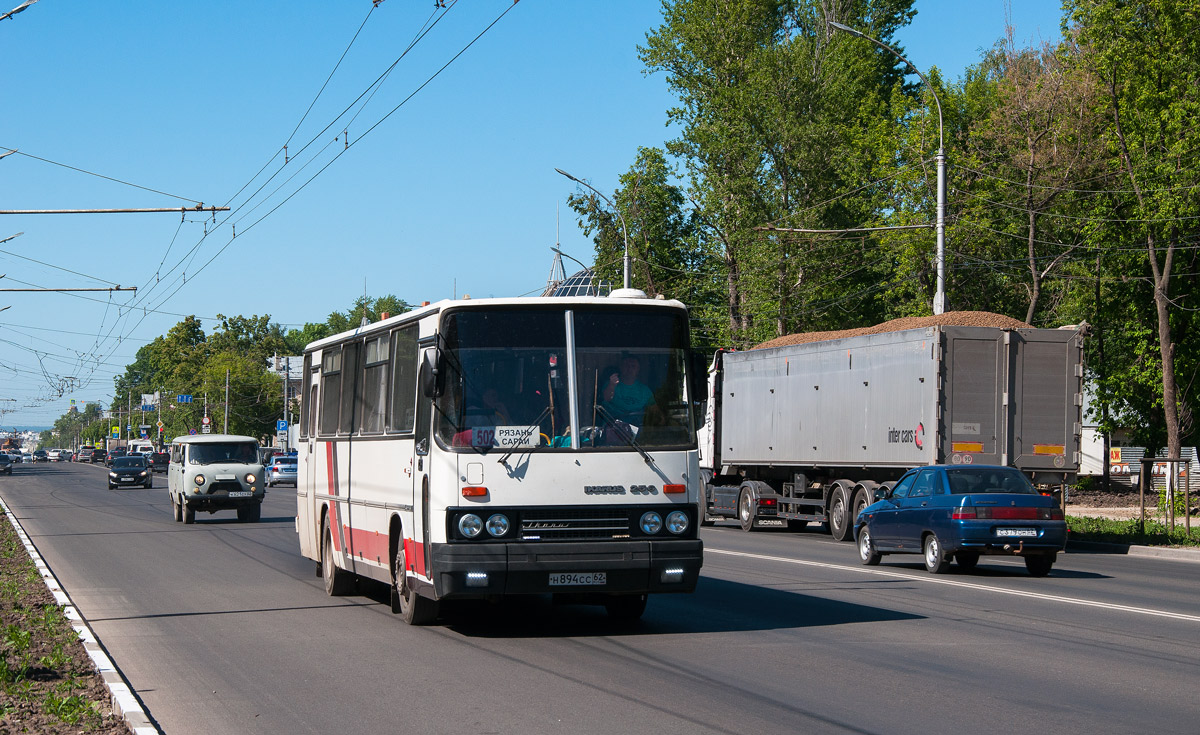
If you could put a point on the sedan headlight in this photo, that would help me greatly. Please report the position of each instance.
(498, 525)
(651, 523)
(677, 522)
(470, 525)
(112, 474)
(142, 473)
(250, 477)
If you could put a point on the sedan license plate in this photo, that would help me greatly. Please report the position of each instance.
(1016, 532)
(240, 494)
(561, 579)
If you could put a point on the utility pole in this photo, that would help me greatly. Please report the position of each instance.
(226, 400)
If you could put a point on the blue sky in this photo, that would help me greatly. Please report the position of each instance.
(454, 193)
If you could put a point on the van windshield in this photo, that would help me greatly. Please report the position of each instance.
(223, 453)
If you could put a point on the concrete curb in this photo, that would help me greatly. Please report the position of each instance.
(1155, 552)
(124, 702)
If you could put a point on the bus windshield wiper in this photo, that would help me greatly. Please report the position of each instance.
(624, 434)
(537, 423)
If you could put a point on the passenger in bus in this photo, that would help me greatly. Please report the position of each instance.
(626, 397)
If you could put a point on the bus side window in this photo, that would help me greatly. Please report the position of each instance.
(373, 386)
(350, 354)
(331, 391)
(401, 407)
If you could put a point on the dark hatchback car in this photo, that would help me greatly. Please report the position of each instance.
(99, 455)
(158, 461)
(130, 471)
(5, 464)
(960, 513)
(114, 453)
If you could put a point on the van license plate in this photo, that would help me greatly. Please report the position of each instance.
(240, 494)
(1016, 532)
(578, 578)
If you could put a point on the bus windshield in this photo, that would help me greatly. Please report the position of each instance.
(510, 385)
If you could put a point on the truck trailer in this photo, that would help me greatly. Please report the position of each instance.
(806, 433)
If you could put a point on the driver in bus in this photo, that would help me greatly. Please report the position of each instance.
(626, 397)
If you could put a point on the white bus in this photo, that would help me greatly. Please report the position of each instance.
(438, 453)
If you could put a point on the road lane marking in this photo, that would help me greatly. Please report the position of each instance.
(967, 585)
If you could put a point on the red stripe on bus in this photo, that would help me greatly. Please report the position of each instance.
(415, 554)
(330, 468)
(370, 545)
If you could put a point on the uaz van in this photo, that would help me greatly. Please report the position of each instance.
(215, 472)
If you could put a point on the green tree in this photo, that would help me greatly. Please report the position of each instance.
(1147, 61)
(777, 125)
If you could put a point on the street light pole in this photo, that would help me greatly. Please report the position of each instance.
(939, 298)
(624, 229)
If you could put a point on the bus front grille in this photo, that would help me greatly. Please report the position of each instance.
(574, 524)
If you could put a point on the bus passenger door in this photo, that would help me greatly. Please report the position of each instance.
(310, 465)
(420, 490)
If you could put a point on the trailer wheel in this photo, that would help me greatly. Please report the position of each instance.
(746, 510)
(861, 500)
(839, 515)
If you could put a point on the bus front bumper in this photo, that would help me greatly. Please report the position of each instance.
(608, 567)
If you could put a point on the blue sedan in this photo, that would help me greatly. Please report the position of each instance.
(960, 513)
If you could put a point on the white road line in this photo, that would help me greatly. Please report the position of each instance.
(930, 579)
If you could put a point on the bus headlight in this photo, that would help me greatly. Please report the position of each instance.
(651, 523)
(470, 525)
(498, 525)
(677, 522)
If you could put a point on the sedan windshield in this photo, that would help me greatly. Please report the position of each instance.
(129, 463)
(223, 453)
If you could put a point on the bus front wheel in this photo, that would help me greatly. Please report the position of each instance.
(415, 609)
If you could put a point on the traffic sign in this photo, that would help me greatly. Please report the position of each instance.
(206, 420)
(207, 428)
(193, 432)
(160, 425)
(183, 398)
(116, 432)
(281, 425)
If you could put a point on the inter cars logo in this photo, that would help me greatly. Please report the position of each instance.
(908, 436)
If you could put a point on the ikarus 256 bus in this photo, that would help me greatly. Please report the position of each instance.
(495, 447)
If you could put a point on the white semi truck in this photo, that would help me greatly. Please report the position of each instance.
(807, 432)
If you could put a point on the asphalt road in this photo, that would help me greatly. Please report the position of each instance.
(221, 627)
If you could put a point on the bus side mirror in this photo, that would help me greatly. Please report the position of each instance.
(432, 382)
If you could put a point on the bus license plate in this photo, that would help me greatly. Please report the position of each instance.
(578, 578)
(240, 494)
(1016, 532)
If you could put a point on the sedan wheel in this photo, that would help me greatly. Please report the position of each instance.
(866, 548)
(966, 560)
(935, 560)
(1039, 566)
